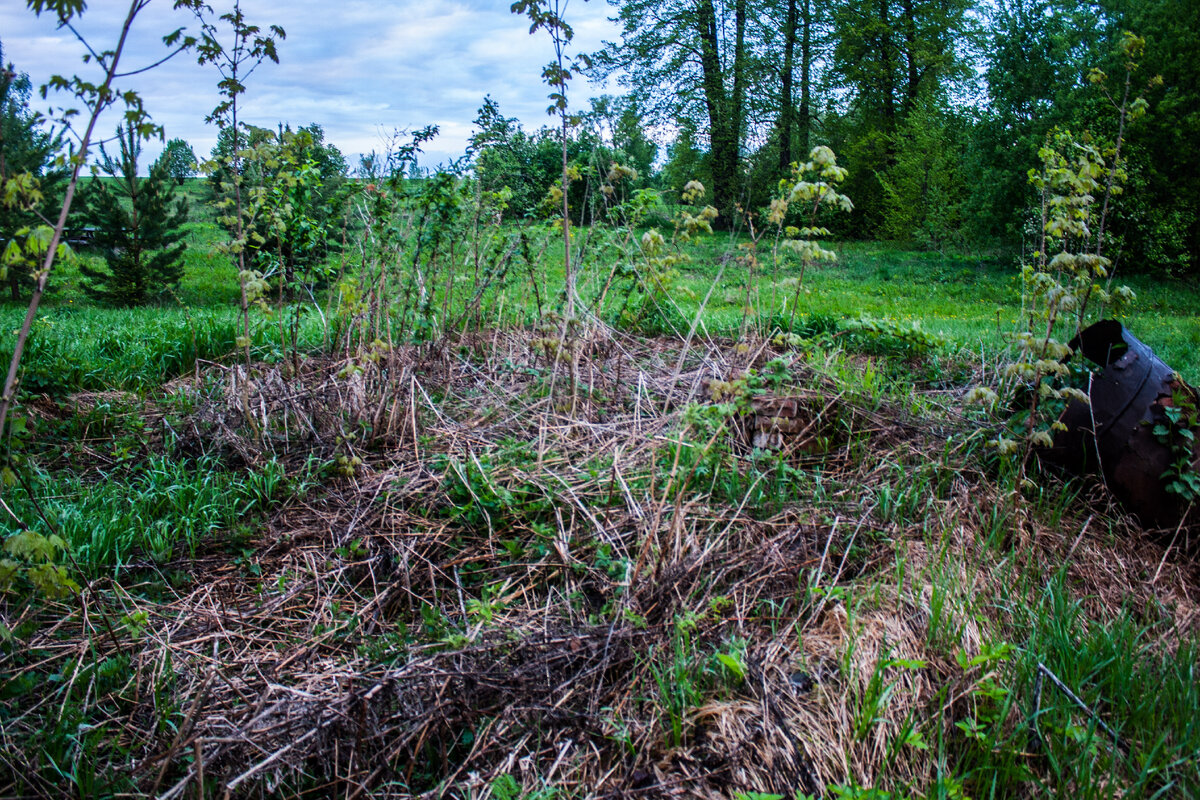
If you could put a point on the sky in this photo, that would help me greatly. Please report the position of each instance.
(362, 69)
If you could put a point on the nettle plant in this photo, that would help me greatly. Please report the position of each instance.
(1067, 282)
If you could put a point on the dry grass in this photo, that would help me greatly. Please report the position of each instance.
(524, 566)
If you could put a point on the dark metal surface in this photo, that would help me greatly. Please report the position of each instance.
(1114, 435)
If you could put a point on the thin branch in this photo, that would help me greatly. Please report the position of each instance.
(161, 61)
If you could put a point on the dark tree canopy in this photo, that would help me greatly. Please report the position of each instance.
(936, 107)
(26, 147)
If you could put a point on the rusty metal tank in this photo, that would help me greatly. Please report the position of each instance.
(1115, 434)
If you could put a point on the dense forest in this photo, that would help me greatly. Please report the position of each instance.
(938, 109)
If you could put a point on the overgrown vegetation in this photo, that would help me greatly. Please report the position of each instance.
(452, 484)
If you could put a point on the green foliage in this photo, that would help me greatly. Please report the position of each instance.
(685, 160)
(178, 160)
(138, 224)
(90, 349)
(888, 336)
(506, 787)
(1160, 225)
(293, 189)
(1145, 693)
(891, 55)
(810, 192)
(151, 512)
(651, 295)
(31, 559)
(1178, 430)
(530, 165)
(925, 187)
(873, 701)
(31, 182)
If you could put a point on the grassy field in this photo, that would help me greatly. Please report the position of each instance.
(458, 549)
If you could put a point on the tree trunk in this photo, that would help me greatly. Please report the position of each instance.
(887, 67)
(786, 111)
(738, 106)
(909, 23)
(806, 59)
(722, 128)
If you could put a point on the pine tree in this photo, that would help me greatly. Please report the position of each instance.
(179, 160)
(138, 229)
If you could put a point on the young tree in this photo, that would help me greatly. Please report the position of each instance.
(95, 96)
(236, 54)
(548, 15)
(138, 228)
(298, 189)
(685, 160)
(178, 160)
(925, 187)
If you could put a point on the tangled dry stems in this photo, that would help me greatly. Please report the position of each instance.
(377, 641)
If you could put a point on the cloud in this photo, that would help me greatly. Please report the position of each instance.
(361, 69)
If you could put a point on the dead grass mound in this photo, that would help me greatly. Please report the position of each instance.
(527, 570)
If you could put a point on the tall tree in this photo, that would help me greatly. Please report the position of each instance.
(800, 29)
(890, 51)
(888, 54)
(1038, 54)
(690, 59)
(138, 228)
(26, 148)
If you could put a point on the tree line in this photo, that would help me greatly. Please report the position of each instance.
(938, 108)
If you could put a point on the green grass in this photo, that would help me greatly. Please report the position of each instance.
(95, 349)
(972, 303)
(150, 512)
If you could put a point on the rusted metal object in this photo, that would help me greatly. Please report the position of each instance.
(1115, 434)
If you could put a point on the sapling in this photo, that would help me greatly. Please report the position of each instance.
(548, 15)
(235, 59)
(811, 188)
